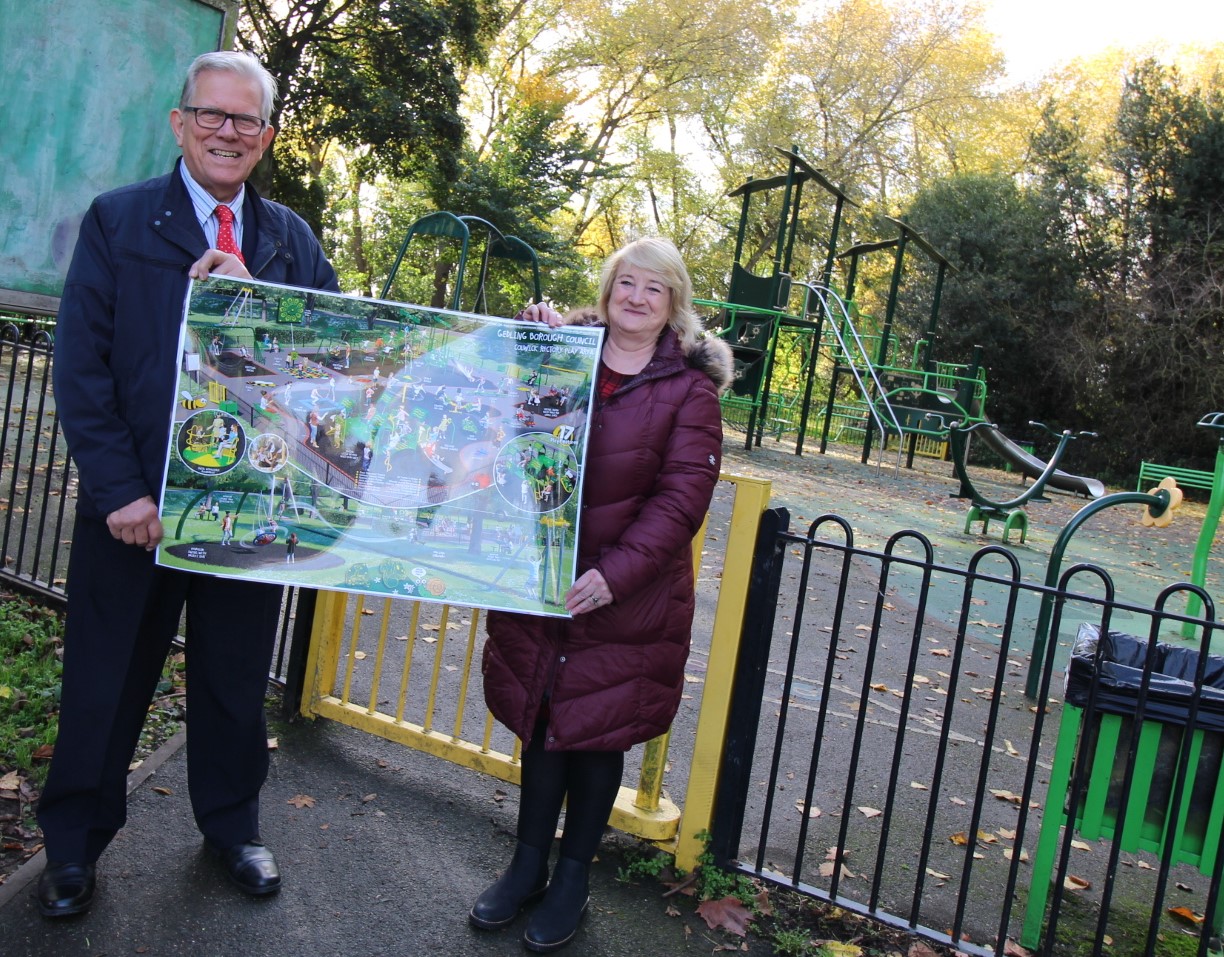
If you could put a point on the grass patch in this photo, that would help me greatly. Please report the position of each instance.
(31, 649)
(31, 655)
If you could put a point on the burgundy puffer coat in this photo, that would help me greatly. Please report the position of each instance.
(614, 676)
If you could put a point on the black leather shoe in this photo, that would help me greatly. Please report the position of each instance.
(523, 882)
(65, 888)
(250, 866)
(554, 923)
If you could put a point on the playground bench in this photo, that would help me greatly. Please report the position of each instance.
(1150, 473)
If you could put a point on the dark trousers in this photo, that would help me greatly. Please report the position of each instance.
(123, 612)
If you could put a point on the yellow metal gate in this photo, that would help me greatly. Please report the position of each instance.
(364, 652)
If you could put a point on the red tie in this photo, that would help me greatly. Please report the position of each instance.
(225, 232)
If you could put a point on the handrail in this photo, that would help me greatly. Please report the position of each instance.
(825, 295)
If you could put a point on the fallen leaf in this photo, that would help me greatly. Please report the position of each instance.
(1073, 883)
(726, 914)
(764, 906)
(1186, 914)
(837, 948)
(801, 807)
(273, 744)
(10, 782)
(1081, 845)
(919, 786)
(870, 812)
(300, 801)
(359, 655)
(368, 798)
(162, 790)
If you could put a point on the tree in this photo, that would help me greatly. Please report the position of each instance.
(1010, 295)
(380, 74)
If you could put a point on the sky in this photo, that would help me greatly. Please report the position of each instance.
(1037, 35)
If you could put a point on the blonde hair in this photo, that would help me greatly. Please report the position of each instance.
(658, 256)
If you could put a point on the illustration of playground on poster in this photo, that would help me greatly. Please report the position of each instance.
(346, 443)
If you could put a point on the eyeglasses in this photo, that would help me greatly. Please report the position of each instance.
(244, 123)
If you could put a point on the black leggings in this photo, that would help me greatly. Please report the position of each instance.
(586, 781)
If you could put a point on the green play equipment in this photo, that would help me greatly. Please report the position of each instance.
(1010, 512)
(925, 386)
(756, 309)
(497, 246)
(1211, 521)
(1159, 501)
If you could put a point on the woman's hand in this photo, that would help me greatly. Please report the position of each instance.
(590, 591)
(541, 312)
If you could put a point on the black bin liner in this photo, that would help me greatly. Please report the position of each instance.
(1170, 692)
(1170, 688)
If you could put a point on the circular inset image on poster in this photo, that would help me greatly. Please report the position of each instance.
(534, 472)
(269, 452)
(211, 442)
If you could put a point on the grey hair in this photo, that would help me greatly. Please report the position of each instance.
(658, 256)
(231, 61)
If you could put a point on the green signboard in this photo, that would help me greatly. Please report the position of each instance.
(85, 97)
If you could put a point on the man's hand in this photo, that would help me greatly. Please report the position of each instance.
(223, 264)
(137, 523)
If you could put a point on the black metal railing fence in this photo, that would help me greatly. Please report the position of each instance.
(883, 756)
(38, 486)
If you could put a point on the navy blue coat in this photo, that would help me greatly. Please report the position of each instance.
(117, 335)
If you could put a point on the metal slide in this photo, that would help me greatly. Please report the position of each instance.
(1032, 466)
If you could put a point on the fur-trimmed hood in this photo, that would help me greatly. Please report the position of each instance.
(713, 356)
(709, 354)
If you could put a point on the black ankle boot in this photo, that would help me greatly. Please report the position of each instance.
(523, 882)
(555, 922)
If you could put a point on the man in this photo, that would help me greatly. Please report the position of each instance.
(116, 368)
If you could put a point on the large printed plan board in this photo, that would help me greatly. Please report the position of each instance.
(339, 442)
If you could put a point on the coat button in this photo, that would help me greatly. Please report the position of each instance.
(563, 659)
(551, 739)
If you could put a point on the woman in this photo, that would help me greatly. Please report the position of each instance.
(579, 692)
